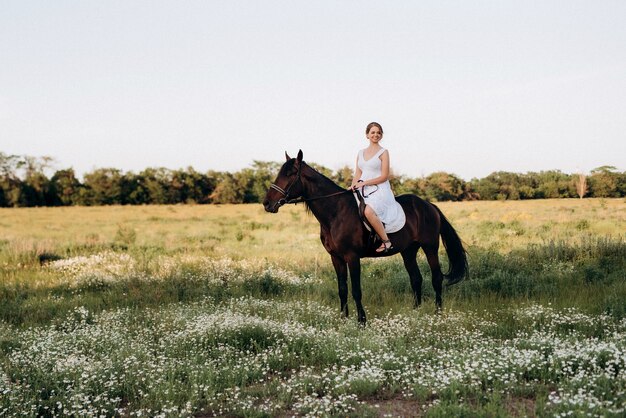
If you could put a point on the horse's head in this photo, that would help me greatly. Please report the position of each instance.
(287, 186)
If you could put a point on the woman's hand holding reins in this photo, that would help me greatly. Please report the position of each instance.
(357, 185)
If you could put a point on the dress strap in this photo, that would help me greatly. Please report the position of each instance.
(379, 153)
(361, 155)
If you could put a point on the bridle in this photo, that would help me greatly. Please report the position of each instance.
(285, 192)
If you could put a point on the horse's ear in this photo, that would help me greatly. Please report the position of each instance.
(287, 156)
(299, 158)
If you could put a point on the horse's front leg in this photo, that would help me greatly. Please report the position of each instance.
(354, 264)
(342, 282)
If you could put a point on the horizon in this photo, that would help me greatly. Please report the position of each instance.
(49, 170)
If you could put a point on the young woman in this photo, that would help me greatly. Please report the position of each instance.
(371, 175)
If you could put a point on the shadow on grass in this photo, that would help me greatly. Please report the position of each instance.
(590, 276)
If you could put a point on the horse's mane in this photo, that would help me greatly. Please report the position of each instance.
(328, 180)
(325, 180)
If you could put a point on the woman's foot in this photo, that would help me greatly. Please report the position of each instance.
(385, 247)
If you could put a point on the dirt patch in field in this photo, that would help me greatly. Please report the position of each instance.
(516, 407)
(396, 407)
(521, 407)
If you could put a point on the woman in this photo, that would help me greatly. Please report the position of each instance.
(371, 175)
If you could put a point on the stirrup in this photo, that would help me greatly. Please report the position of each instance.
(384, 249)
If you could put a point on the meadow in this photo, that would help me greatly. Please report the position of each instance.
(225, 310)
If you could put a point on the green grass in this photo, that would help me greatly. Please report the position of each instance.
(227, 310)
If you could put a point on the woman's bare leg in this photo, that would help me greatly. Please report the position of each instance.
(373, 219)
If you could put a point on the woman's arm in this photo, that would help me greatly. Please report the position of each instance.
(384, 171)
(357, 173)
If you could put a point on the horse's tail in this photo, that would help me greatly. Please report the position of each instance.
(457, 256)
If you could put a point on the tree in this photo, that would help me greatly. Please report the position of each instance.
(603, 182)
(10, 183)
(343, 176)
(198, 186)
(133, 191)
(263, 174)
(23, 182)
(397, 183)
(35, 187)
(227, 190)
(179, 189)
(553, 184)
(155, 183)
(65, 187)
(441, 186)
(244, 184)
(103, 187)
(485, 188)
(36, 191)
(580, 182)
(621, 184)
(415, 186)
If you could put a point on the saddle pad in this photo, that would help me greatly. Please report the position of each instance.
(394, 226)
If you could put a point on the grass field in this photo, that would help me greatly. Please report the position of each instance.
(230, 311)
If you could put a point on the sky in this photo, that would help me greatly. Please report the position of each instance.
(466, 87)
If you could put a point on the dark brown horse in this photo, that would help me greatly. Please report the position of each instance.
(347, 240)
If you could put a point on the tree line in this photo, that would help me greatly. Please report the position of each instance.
(24, 183)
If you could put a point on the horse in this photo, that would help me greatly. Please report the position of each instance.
(347, 240)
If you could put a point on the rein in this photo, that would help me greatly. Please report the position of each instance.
(300, 199)
(303, 199)
(285, 192)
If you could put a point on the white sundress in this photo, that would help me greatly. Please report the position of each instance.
(380, 197)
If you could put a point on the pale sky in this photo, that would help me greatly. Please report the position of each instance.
(467, 87)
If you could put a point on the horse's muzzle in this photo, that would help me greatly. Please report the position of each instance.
(273, 208)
